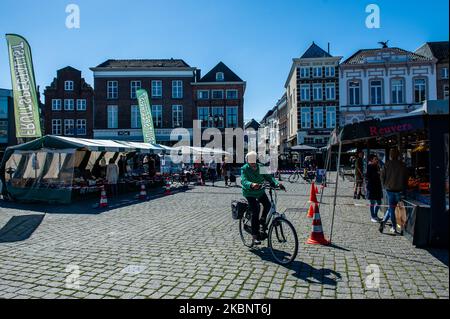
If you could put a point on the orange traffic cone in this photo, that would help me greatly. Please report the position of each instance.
(167, 191)
(317, 237)
(103, 198)
(143, 193)
(311, 210)
(312, 194)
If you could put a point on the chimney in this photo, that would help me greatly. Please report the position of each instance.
(197, 75)
(328, 47)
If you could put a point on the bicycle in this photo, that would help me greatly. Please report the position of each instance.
(281, 232)
(306, 175)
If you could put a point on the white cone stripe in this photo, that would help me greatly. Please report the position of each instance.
(317, 229)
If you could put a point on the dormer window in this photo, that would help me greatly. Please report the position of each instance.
(68, 86)
(220, 76)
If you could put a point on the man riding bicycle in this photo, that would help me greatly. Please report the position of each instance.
(252, 180)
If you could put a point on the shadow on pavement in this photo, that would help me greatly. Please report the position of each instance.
(20, 228)
(303, 271)
(89, 206)
(439, 254)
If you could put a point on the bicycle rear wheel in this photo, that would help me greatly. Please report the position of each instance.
(245, 230)
(283, 241)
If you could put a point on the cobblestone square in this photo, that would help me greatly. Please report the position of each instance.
(186, 245)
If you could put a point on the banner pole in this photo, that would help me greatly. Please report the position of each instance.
(336, 187)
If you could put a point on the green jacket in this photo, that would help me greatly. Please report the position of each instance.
(249, 176)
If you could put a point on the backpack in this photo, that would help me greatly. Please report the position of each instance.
(238, 208)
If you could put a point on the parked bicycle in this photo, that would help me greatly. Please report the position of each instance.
(281, 237)
(302, 174)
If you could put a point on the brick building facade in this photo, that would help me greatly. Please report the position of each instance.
(68, 108)
(312, 90)
(173, 88)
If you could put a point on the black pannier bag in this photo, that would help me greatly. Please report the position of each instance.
(238, 208)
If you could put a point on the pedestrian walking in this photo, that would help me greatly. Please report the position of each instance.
(212, 170)
(359, 176)
(394, 177)
(374, 190)
(226, 172)
(112, 176)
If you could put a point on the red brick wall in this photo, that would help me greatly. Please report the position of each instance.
(58, 92)
(124, 100)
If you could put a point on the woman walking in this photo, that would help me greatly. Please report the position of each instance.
(374, 188)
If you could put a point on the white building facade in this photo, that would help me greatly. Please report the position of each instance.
(376, 83)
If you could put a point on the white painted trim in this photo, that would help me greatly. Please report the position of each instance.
(130, 73)
(217, 83)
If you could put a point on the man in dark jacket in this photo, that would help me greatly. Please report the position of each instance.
(374, 189)
(394, 177)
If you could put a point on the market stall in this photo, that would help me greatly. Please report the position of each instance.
(59, 169)
(422, 137)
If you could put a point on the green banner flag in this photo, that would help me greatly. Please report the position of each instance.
(26, 106)
(146, 116)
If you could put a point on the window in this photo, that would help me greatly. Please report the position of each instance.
(177, 89)
(177, 115)
(330, 71)
(217, 94)
(69, 127)
(446, 93)
(318, 117)
(218, 116)
(376, 92)
(232, 94)
(56, 127)
(81, 127)
(420, 91)
(444, 73)
(354, 93)
(220, 76)
(81, 105)
(309, 140)
(69, 105)
(68, 85)
(317, 72)
(203, 94)
(56, 105)
(157, 115)
(331, 117)
(135, 117)
(156, 88)
(305, 92)
(330, 91)
(112, 88)
(304, 73)
(134, 86)
(397, 91)
(113, 116)
(306, 117)
(203, 116)
(317, 91)
(232, 116)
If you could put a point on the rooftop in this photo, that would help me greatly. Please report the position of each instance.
(382, 55)
(143, 64)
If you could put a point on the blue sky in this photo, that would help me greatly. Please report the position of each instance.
(255, 38)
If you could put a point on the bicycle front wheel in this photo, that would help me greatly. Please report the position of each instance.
(245, 230)
(283, 241)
